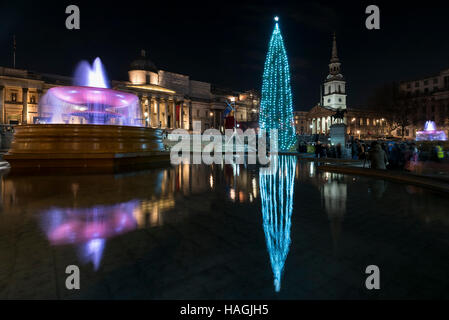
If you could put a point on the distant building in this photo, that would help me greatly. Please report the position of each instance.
(168, 100)
(302, 123)
(429, 98)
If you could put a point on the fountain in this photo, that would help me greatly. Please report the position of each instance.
(87, 125)
(430, 133)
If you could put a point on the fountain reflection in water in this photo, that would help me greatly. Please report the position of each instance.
(90, 101)
(276, 190)
(89, 227)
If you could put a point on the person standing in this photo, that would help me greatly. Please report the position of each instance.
(439, 152)
(377, 156)
(354, 149)
(360, 151)
(338, 149)
(318, 149)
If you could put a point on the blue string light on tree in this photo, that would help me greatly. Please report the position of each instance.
(276, 106)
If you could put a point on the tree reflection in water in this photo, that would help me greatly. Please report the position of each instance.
(276, 185)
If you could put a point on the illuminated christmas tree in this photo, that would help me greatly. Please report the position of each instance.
(276, 111)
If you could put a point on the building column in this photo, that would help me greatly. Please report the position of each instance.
(39, 107)
(184, 108)
(158, 111)
(141, 116)
(181, 114)
(150, 110)
(2, 105)
(174, 113)
(190, 115)
(24, 105)
(166, 114)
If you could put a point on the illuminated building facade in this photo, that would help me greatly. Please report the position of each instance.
(302, 123)
(168, 100)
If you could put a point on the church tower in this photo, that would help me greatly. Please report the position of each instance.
(334, 96)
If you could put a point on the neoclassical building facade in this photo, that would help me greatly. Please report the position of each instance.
(168, 100)
(19, 96)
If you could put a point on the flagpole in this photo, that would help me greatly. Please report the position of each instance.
(235, 116)
(14, 51)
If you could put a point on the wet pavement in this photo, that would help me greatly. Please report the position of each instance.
(221, 232)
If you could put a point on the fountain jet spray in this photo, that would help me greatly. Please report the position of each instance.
(91, 76)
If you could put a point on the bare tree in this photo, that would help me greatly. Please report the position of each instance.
(394, 106)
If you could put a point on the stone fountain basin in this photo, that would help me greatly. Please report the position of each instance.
(85, 145)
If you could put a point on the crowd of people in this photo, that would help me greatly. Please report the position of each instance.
(395, 155)
(321, 150)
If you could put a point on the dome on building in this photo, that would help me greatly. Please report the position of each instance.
(143, 63)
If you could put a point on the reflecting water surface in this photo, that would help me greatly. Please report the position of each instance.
(276, 190)
(287, 231)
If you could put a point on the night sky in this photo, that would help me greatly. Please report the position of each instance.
(225, 44)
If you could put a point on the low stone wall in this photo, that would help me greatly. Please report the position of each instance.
(84, 145)
(441, 185)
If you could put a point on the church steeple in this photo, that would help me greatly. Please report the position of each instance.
(334, 50)
(334, 66)
(335, 85)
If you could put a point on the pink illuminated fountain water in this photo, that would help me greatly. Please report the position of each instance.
(430, 133)
(87, 126)
(90, 101)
